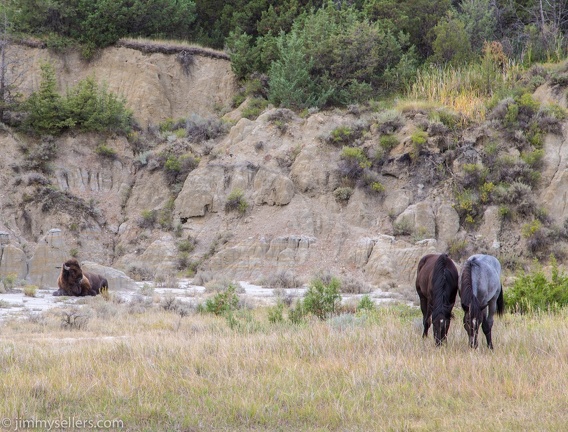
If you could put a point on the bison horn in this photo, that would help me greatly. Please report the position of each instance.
(66, 267)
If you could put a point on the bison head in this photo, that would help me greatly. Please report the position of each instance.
(72, 275)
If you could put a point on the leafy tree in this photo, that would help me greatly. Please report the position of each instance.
(86, 107)
(451, 44)
(416, 18)
(322, 299)
(479, 17)
(336, 56)
(103, 22)
(245, 57)
(94, 108)
(290, 82)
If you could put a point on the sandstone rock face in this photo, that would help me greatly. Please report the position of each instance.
(554, 197)
(272, 188)
(155, 86)
(308, 173)
(447, 223)
(117, 280)
(420, 218)
(286, 166)
(50, 253)
(202, 193)
(251, 260)
(13, 261)
(392, 262)
(491, 228)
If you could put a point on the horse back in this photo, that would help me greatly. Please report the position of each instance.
(485, 276)
(424, 272)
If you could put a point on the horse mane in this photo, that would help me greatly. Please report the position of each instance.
(468, 297)
(441, 284)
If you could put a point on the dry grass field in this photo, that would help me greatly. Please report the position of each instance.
(157, 370)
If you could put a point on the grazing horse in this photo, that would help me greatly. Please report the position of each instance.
(437, 287)
(481, 295)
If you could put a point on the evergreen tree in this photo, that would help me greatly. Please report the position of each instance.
(451, 43)
(44, 108)
(479, 17)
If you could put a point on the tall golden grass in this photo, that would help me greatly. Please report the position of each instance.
(464, 89)
(373, 372)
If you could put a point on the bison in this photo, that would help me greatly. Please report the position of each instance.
(74, 282)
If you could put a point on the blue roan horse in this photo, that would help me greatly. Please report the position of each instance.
(481, 295)
(437, 287)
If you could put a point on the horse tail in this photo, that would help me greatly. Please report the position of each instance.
(440, 285)
(500, 302)
(475, 307)
(466, 290)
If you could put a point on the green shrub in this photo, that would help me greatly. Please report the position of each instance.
(30, 290)
(236, 202)
(485, 192)
(148, 218)
(343, 193)
(512, 115)
(467, 205)
(505, 212)
(86, 107)
(105, 151)
(177, 168)
(418, 139)
(180, 133)
(527, 102)
(167, 125)
(223, 302)
(533, 292)
(559, 79)
(534, 158)
(388, 142)
(377, 187)
(254, 108)
(457, 249)
(90, 107)
(297, 314)
(340, 135)
(321, 298)
(530, 229)
(187, 245)
(356, 154)
(403, 227)
(365, 304)
(275, 313)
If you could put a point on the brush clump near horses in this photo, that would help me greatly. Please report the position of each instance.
(481, 295)
(437, 287)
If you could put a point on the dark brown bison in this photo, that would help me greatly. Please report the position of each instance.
(74, 282)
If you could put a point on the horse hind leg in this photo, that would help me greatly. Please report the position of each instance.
(487, 325)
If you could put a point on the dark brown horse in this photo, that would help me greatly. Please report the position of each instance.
(437, 287)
